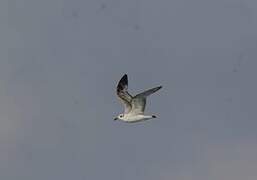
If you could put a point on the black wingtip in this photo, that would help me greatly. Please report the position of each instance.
(125, 76)
(122, 83)
(158, 88)
(124, 79)
(153, 116)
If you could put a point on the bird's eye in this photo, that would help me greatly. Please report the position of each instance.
(121, 116)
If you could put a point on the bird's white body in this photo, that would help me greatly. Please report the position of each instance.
(135, 118)
(134, 106)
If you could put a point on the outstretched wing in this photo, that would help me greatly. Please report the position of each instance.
(139, 101)
(123, 94)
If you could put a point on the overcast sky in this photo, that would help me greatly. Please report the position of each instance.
(60, 62)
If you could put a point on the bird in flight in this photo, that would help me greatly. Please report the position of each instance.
(134, 106)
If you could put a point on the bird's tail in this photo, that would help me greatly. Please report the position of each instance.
(149, 91)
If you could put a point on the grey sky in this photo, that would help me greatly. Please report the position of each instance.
(61, 60)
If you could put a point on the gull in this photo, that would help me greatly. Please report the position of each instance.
(134, 106)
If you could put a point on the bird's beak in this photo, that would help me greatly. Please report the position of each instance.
(115, 119)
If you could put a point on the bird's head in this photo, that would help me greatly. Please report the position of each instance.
(120, 116)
